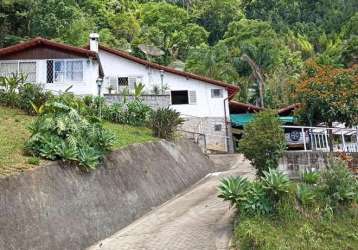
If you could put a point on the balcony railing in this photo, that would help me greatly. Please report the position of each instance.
(317, 138)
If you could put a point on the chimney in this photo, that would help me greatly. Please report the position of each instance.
(94, 41)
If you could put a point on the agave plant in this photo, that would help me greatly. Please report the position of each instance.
(310, 177)
(275, 182)
(234, 190)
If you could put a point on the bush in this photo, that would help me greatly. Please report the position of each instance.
(133, 113)
(234, 190)
(164, 122)
(337, 185)
(305, 195)
(258, 197)
(310, 177)
(263, 142)
(8, 95)
(32, 97)
(276, 183)
(61, 133)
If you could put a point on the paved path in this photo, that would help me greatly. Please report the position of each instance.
(194, 220)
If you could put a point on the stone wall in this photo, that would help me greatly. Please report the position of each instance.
(59, 207)
(153, 101)
(213, 128)
(294, 162)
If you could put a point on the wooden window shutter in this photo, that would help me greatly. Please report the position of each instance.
(49, 71)
(192, 96)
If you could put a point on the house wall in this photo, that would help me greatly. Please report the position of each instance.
(205, 107)
(200, 117)
(86, 87)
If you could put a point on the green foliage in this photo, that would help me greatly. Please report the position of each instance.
(25, 96)
(310, 177)
(337, 185)
(234, 190)
(276, 183)
(305, 195)
(134, 113)
(61, 133)
(164, 122)
(258, 197)
(263, 142)
(30, 96)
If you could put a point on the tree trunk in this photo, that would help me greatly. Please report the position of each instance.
(330, 137)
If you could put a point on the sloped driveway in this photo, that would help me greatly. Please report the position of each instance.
(194, 220)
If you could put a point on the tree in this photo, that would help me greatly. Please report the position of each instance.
(328, 95)
(213, 62)
(263, 142)
(216, 15)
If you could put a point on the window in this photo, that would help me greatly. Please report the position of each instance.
(28, 69)
(218, 127)
(8, 69)
(123, 81)
(216, 93)
(64, 70)
(74, 71)
(180, 97)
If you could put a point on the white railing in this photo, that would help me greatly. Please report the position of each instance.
(317, 138)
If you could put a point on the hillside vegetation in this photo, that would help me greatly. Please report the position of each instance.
(14, 134)
(209, 37)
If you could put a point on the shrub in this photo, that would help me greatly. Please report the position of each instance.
(133, 113)
(164, 122)
(31, 96)
(8, 95)
(60, 132)
(310, 177)
(136, 113)
(234, 190)
(257, 201)
(276, 183)
(263, 142)
(305, 195)
(337, 185)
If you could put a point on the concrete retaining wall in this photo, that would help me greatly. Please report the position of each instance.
(294, 162)
(60, 207)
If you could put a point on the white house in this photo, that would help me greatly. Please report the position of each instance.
(202, 101)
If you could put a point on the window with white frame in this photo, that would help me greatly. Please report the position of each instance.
(8, 68)
(180, 97)
(26, 68)
(216, 93)
(61, 71)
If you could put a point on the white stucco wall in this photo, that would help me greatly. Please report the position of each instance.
(206, 106)
(86, 87)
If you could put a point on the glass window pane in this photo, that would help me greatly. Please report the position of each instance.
(8, 69)
(29, 70)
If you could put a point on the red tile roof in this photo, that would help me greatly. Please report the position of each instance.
(238, 107)
(232, 89)
(51, 44)
(288, 109)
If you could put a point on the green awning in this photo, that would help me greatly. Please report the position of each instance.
(243, 119)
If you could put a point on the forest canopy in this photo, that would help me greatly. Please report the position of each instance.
(208, 37)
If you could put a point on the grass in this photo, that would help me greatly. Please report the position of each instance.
(126, 135)
(14, 133)
(299, 232)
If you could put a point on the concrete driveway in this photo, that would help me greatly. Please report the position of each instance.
(194, 220)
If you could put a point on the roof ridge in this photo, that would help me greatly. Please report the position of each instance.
(128, 56)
